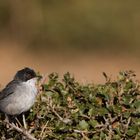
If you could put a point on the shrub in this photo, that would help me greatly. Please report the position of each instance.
(68, 110)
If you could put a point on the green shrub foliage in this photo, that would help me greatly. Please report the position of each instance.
(68, 110)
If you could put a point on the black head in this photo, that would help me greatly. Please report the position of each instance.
(25, 74)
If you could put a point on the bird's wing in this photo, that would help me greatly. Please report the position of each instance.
(9, 89)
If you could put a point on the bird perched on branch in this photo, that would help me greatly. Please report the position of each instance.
(19, 95)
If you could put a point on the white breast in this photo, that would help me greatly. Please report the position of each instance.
(22, 99)
(28, 95)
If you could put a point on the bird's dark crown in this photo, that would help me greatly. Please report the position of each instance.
(25, 74)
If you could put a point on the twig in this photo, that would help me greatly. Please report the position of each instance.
(43, 80)
(85, 116)
(25, 133)
(41, 134)
(60, 118)
(53, 110)
(110, 127)
(64, 120)
(85, 131)
(127, 125)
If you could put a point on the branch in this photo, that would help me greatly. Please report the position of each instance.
(24, 132)
(64, 120)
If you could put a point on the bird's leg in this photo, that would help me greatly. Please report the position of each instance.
(18, 122)
(24, 121)
(6, 118)
(12, 120)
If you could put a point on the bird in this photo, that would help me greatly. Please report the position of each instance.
(19, 95)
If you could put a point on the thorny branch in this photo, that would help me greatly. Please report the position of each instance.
(52, 107)
(24, 132)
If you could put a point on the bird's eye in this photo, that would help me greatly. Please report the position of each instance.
(28, 75)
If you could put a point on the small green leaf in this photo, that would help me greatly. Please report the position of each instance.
(116, 137)
(137, 105)
(102, 135)
(83, 124)
(93, 123)
(132, 131)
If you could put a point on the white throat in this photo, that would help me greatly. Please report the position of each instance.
(31, 86)
(32, 82)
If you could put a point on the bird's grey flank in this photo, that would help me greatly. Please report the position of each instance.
(19, 95)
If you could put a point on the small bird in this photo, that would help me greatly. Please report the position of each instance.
(19, 95)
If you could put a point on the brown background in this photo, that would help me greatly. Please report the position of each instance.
(85, 38)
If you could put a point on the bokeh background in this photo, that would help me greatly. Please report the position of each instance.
(85, 38)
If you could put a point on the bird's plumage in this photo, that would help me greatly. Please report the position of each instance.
(9, 89)
(25, 74)
(19, 95)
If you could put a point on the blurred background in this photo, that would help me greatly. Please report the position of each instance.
(85, 38)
